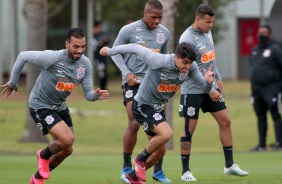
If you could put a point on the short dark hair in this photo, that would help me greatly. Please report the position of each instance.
(185, 50)
(97, 23)
(204, 9)
(267, 27)
(155, 4)
(75, 32)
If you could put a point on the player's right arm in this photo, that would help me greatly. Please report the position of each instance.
(153, 59)
(43, 58)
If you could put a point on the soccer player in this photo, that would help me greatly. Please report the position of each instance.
(165, 74)
(61, 71)
(193, 97)
(150, 33)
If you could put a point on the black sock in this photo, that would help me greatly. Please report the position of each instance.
(133, 174)
(228, 154)
(37, 175)
(158, 165)
(46, 153)
(51, 168)
(127, 160)
(185, 162)
(143, 156)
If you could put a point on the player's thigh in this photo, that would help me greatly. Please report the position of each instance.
(62, 132)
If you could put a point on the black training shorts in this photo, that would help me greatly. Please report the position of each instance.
(129, 92)
(47, 118)
(147, 116)
(190, 105)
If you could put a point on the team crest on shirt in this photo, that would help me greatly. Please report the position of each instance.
(49, 119)
(80, 73)
(266, 53)
(157, 116)
(145, 126)
(191, 111)
(138, 28)
(129, 94)
(160, 38)
(182, 76)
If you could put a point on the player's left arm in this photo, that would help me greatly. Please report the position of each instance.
(87, 85)
(206, 81)
(218, 78)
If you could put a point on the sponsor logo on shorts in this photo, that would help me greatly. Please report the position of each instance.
(39, 126)
(191, 111)
(49, 119)
(145, 126)
(129, 94)
(180, 108)
(221, 99)
(158, 107)
(157, 116)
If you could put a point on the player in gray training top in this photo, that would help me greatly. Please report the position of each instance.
(192, 97)
(61, 71)
(149, 33)
(162, 80)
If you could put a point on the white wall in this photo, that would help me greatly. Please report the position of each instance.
(226, 50)
(20, 29)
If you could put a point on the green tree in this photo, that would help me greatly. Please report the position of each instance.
(120, 12)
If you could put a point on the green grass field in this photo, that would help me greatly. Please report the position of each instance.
(97, 156)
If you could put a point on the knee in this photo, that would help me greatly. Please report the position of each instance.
(167, 136)
(225, 123)
(67, 141)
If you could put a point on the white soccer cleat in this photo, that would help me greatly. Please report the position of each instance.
(188, 176)
(235, 171)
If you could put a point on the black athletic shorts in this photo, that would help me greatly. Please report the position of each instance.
(147, 116)
(190, 105)
(47, 118)
(129, 92)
